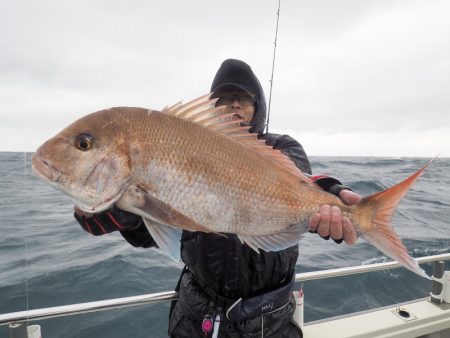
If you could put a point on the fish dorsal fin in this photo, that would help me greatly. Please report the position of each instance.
(204, 112)
(187, 109)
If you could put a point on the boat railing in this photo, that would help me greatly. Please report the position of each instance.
(109, 304)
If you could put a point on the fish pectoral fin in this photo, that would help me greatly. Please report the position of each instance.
(166, 237)
(275, 242)
(162, 212)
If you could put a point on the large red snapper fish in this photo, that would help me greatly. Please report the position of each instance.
(194, 167)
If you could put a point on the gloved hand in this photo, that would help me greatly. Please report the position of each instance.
(107, 221)
(329, 221)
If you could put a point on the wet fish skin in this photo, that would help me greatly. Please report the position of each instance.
(192, 167)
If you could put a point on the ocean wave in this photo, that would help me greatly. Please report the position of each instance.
(44, 247)
(367, 187)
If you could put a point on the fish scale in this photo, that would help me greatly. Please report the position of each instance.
(241, 181)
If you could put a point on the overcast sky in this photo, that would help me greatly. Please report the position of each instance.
(364, 78)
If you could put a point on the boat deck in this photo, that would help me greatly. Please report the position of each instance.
(420, 318)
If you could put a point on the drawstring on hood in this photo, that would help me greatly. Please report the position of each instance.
(237, 75)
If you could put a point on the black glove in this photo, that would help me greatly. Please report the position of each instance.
(108, 221)
(329, 184)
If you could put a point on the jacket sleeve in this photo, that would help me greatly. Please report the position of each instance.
(139, 237)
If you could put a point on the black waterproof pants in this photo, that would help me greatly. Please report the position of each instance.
(193, 304)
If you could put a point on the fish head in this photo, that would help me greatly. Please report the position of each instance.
(88, 160)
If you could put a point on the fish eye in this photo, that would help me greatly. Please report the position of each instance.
(83, 142)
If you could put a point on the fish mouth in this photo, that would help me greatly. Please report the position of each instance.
(43, 168)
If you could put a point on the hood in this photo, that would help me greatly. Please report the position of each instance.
(237, 75)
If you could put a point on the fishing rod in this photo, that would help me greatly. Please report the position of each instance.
(273, 66)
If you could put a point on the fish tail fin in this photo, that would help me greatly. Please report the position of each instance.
(381, 233)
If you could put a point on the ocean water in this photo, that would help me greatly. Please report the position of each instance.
(46, 259)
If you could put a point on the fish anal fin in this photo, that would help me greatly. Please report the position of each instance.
(275, 242)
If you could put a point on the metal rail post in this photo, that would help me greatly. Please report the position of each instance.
(437, 288)
(18, 330)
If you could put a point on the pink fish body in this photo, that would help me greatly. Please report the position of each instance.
(192, 167)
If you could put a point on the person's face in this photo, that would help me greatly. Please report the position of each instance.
(239, 103)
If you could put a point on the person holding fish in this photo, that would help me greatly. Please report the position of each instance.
(227, 288)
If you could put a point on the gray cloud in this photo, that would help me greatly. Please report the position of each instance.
(342, 68)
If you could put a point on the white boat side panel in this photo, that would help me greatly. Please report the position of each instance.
(384, 323)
